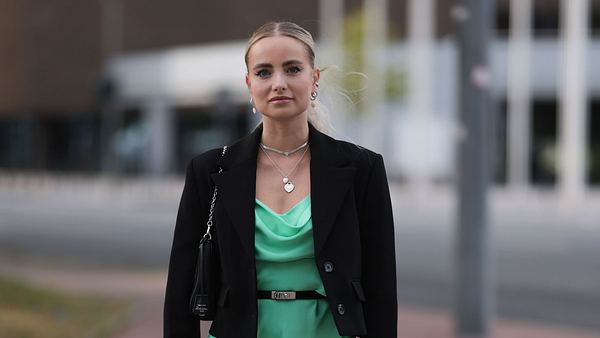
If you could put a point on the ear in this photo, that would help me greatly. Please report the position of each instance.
(316, 75)
(248, 84)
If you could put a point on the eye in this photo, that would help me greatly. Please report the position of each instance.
(262, 73)
(294, 69)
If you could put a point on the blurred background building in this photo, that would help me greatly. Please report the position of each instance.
(102, 104)
(132, 86)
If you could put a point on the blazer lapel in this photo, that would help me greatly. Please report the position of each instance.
(331, 178)
(237, 185)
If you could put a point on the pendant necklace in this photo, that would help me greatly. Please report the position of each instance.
(288, 185)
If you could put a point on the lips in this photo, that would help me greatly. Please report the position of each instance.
(280, 98)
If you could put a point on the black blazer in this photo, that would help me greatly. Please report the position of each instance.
(353, 232)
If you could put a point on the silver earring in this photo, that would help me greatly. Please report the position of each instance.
(252, 104)
(313, 95)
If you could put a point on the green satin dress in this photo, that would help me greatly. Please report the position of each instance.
(285, 260)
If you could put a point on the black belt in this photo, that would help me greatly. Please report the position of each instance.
(288, 295)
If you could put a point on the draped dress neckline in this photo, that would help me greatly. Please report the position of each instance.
(264, 205)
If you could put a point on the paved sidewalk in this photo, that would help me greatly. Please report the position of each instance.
(544, 252)
(146, 289)
(427, 323)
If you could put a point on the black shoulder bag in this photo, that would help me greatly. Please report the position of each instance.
(203, 298)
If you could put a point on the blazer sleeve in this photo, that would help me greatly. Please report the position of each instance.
(189, 227)
(378, 255)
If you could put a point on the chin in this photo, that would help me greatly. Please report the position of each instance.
(284, 115)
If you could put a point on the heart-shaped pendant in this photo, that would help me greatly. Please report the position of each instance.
(285, 180)
(288, 187)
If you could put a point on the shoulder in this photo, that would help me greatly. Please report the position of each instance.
(370, 177)
(361, 157)
(206, 161)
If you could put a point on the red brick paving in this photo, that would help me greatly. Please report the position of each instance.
(426, 323)
(147, 287)
(412, 323)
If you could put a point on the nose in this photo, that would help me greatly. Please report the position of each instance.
(279, 82)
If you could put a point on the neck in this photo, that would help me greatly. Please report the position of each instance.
(285, 135)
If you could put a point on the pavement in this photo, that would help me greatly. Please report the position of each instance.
(112, 236)
(145, 289)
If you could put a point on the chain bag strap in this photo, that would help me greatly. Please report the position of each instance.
(203, 298)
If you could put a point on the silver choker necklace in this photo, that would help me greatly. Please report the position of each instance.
(284, 152)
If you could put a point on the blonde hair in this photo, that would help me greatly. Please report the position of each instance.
(317, 112)
(288, 29)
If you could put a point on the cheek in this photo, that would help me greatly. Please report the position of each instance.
(261, 94)
(304, 87)
(260, 89)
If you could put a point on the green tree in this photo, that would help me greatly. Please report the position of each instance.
(354, 77)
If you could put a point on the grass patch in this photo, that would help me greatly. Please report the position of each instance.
(27, 311)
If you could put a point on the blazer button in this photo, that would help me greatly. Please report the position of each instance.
(341, 309)
(328, 266)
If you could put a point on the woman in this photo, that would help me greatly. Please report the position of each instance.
(296, 211)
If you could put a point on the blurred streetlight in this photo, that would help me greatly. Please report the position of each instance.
(475, 292)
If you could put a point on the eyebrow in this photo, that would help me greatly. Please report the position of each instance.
(285, 64)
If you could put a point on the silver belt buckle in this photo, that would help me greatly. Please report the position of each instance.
(283, 295)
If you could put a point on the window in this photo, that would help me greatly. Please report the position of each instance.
(499, 145)
(502, 14)
(546, 18)
(594, 142)
(544, 150)
(595, 18)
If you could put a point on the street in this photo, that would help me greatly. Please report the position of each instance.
(546, 256)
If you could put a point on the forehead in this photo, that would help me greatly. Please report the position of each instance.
(276, 50)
